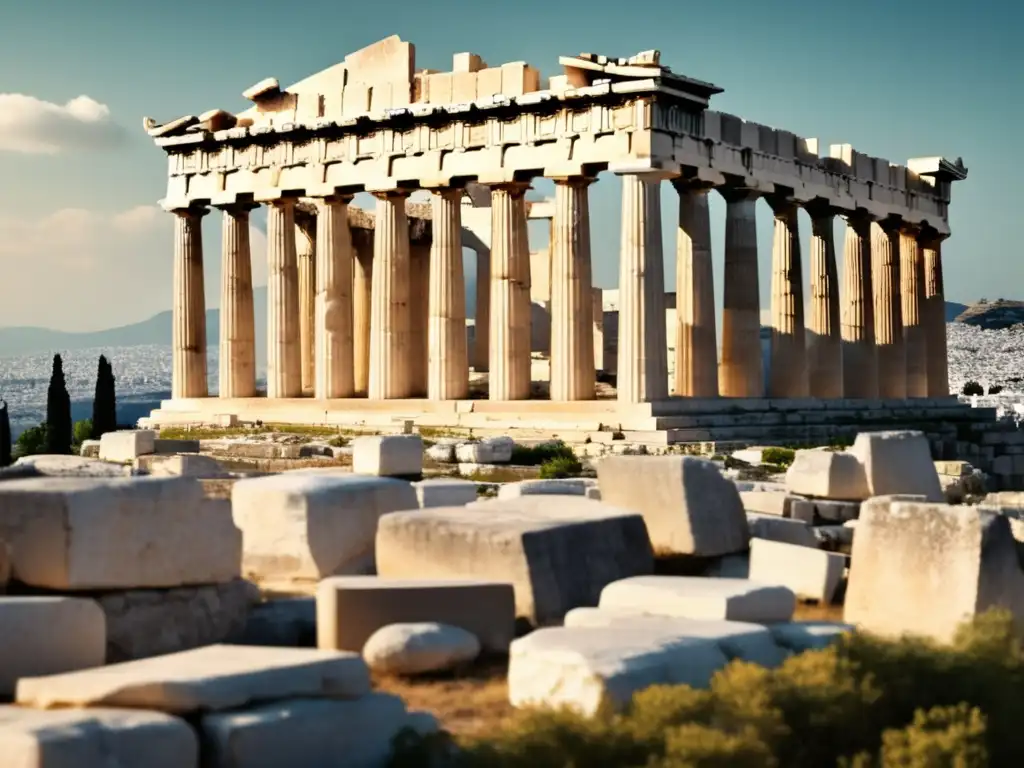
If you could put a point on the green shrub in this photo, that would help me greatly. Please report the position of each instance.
(866, 702)
(560, 466)
(534, 455)
(339, 442)
(781, 457)
(81, 432)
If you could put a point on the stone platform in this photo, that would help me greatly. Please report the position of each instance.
(674, 421)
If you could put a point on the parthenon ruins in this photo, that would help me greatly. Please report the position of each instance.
(373, 309)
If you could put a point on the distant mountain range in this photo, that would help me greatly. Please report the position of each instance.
(157, 330)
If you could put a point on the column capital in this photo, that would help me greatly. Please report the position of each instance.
(573, 181)
(514, 188)
(910, 229)
(891, 225)
(282, 202)
(189, 211)
(390, 194)
(737, 194)
(237, 208)
(782, 205)
(447, 192)
(692, 186)
(930, 237)
(820, 209)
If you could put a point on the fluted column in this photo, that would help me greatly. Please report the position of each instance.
(788, 373)
(284, 373)
(188, 372)
(912, 293)
(824, 344)
(362, 292)
(935, 316)
(237, 317)
(860, 359)
(742, 373)
(572, 300)
(448, 362)
(643, 365)
(892, 360)
(419, 317)
(333, 316)
(510, 295)
(696, 340)
(389, 308)
(305, 251)
(482, 319)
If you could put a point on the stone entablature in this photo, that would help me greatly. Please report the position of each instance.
(326, 135)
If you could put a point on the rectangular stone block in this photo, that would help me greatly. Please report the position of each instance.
(782, 529)
(570, 486)
(127, 444)
(812, 574)
(163, 445)
(117, 533)
(767, 502)
(518, 78)
(557, 552)
(488, 82)
(95, 738)
(688, 506)
(463, 87)
(898, 462)
(302, 526)
(696, 597)
(388, 455)
(351, 608)
(925, 568)
(589, 668)
(827, 475)
(305, 732)
(47, 635)
(445, 492)
(213, 678)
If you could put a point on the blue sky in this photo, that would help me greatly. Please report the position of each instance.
(82, 247)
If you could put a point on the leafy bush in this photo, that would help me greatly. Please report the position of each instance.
(866, 702)
(81, 432)
(560, 466)
(973, 388)
(995, 389)
(780, 457)
(534, 455)
(31, 442)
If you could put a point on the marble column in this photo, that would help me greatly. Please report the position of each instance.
(892, 359)
(935, 317)
(482, 320)
(419, 316)
(860, 360)
(788, 373)
(188, 360)
(448, 362)
(362, 290)
(572, 300)
(742, 372)
(510, 294)
(333, 368)
(912, 293)
(305, 251)
(389, 306)
(824, 342)
(237, 316)
(696, 373)
(643, 364)
(284, 372)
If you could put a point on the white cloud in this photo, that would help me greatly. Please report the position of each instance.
(32, 126)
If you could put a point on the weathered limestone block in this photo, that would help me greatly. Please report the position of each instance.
(442, 451)
(783, 529)
(212, 678)
(125, 533)
(306, 732)
(825, 509)
(586, 668)
(90, 449)
(776, 503)
(812, 574)
(924, 568)
(183, 465)
(50, 465)
(47, 635)
(736, 639)
(445, 492)
(95, 738)
(827, 475)
(143, 623)
(303, 526)
(169, 446)
(688, 506)
(800, 636)
(695, 597)
(413, 649)
(351, 608)
(491, 450)
(388, 455)
(127, 444)
(558, 552)
(571, 486)
(898, 462)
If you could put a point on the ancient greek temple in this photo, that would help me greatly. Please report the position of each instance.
(368, 313)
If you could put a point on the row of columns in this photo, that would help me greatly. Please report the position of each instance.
(346, 320)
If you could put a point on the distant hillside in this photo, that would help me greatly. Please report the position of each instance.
(993, 315)
(953, 311)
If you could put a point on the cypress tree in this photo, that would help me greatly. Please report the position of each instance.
(58, 411)
(5, 436)
(104, 404)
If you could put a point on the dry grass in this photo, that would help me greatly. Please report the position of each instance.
(466, 703)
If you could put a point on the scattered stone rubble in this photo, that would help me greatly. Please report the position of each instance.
(148, 624)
